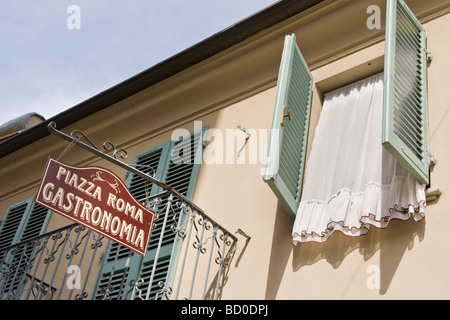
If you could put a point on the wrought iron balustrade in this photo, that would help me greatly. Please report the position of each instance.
(76, 263)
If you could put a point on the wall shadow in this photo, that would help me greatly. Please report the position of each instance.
(336, 248)
(396, 239)
(280, 252)
(392, 242)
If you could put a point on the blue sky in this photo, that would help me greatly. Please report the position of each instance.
(47, 68)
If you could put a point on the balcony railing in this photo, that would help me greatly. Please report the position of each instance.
(188, 258)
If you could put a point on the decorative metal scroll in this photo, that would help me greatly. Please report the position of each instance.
(74, 137)
(45, 267)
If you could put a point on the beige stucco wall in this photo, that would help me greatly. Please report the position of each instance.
(238, 87)
(407, 260)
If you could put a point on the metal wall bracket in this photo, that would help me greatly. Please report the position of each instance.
(432, 195)
(242, 233)
(432, 159)
(248, 134)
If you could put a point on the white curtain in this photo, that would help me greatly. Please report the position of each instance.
(351, 181)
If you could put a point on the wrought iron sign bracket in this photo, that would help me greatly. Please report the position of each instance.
(75, 139)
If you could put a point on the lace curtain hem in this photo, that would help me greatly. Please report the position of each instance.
(354, 213)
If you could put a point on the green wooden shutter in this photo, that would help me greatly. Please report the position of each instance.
(36, 222)
(148, 162)
(405, 113)
(121, 264)
(181, 175)
(11, 223)
(287, 142)
(23, 221)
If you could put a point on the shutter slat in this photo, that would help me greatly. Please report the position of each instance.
(406, 109)
(403, 91)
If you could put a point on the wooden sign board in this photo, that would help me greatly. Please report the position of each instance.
(98, 199)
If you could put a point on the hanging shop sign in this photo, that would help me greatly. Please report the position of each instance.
(98, 199)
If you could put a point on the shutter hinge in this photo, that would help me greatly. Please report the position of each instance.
(285, 114)
(433, 194)
(431, 157)
(429, 56)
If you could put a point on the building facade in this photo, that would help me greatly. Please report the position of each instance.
(201, 123)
